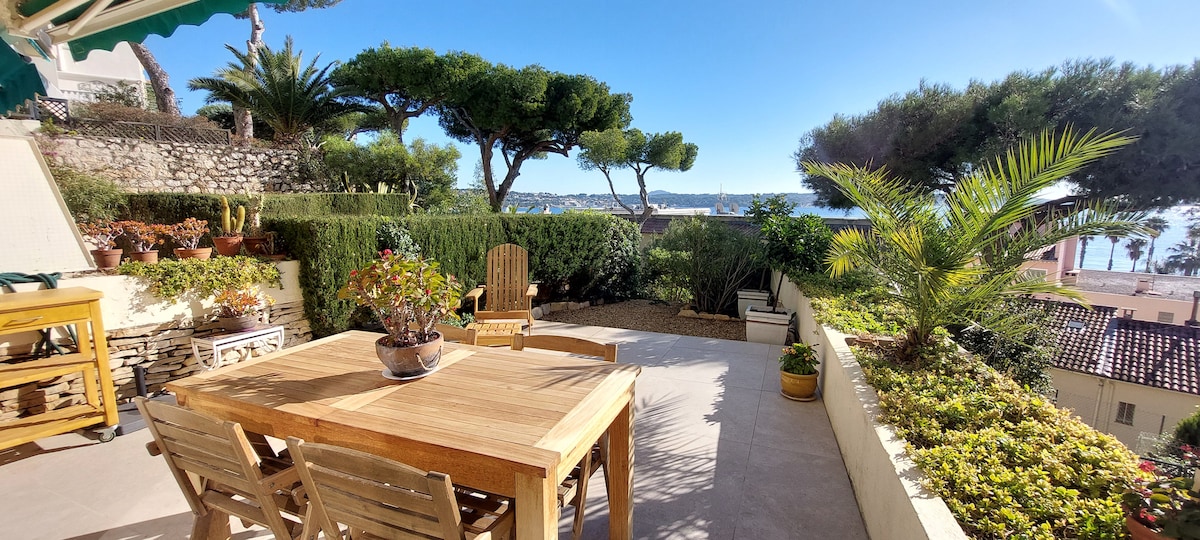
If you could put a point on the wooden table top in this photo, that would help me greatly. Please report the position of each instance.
(484, 414)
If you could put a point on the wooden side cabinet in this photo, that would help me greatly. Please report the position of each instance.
(36, 310)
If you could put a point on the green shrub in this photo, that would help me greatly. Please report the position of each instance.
(1008, 463)
(172, 279)
(1187, 431)
(854, 303)
(328, 248)
(796, 244)
(89, 197)
(1025, 350)
(708, 258)
(392, 235)
(175, 207)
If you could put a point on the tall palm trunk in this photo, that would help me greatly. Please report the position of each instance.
(1083, 242)
(1112, 252)
(164, 96)
(243, 120)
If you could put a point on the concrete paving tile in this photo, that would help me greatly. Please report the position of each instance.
(565, 329)
(795, 426)
(819, 501)
(726, 345)
(666, 409)
(714, 367)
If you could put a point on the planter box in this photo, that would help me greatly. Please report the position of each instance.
(763, 326)
(747, 298)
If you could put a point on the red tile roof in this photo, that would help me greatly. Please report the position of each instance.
(1102, 343)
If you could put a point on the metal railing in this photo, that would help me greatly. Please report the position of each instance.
(149, 132)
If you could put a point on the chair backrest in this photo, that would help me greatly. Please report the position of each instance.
(376, 495)
(217, 451)
(507, 278)
(568, 344)
(460, 335)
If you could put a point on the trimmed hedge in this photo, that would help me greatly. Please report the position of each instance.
(328, 248)
(175, 207)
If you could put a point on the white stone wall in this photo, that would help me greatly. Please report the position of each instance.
(142, 166)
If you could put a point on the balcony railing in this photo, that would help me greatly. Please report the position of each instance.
(149, 132)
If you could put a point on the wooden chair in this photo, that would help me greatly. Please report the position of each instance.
(213, 461)
(456, 334)
(387, 499)
(573, 490)
(509, 293)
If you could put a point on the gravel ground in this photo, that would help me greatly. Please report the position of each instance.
(645, 316)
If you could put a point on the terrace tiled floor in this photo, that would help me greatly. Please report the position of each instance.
(720, 455)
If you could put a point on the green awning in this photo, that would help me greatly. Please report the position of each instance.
(19, 79)
(161, 24)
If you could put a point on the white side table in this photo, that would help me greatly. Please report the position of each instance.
(213, 346)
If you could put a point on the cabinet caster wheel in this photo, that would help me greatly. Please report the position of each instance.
(106, 435)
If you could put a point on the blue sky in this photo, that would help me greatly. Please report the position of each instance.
(742, 80)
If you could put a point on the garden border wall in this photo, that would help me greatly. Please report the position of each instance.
(887, 484)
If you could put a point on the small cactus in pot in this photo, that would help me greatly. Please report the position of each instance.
(229, 243)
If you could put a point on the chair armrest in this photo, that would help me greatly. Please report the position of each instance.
(285, 480)
(474, 297)
(152, 448)
(532, 291)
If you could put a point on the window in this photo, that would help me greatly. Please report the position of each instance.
(1125, 413)
(1166, 317)
(1076, 325)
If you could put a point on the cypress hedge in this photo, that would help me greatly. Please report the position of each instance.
(175, 207)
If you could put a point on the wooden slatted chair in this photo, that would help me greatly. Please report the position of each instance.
(573, 490)
(219, 471)
(509, 293)
(453, 333)
(388, 499)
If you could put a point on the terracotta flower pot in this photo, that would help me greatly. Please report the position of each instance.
(198, 253)
(409, 361)
(228, 245)
(798, 387)
(149, 257)
(255, 245)
(1137, 531)
(238, 324)
(107, 258)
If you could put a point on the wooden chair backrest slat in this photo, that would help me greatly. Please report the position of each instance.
(374, 494)
(568, 344)
(507, 278)
(456, 334)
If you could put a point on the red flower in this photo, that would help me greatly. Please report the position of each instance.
(1147, 466)
(353, 273)
(387, 253)
(428, 292)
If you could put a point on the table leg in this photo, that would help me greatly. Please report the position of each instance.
(620, 474)
(537, 508)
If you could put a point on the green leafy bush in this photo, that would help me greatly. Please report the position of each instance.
(392, 235)
(172, 279)
(707, 258)
(796, 244)
(1008, 463)
(419, 168)
(1187, 431)
(854, 303)
(328, 248)
(89, 197)
(1025, 350)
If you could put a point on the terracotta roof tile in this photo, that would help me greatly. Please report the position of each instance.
(1102, 343)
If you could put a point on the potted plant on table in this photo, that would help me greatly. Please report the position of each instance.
(187, 237)
(143, 237)
(798, 372)
(401, 290)
(241, 309)
(1159, 506)
(103, 235)
(229, 243)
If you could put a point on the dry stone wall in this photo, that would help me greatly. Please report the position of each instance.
(165, 351)
(142, 166)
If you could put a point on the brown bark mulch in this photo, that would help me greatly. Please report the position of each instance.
(647, 316)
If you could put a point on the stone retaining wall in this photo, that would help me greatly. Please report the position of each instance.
(164, 350)
(141, 166)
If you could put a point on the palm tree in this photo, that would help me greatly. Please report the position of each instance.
(1158, 224)
(1114, 239)
(1083, 242)
(950, 263)
(289, 97)
(1187, 253)
(1133, 248)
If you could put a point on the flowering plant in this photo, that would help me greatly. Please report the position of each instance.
(144, 236)
(402, 290)
(241, 302)
(188, 234)
(102, 234)
(799, 359)
(1165, 504)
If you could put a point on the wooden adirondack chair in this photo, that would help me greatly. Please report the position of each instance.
(509, 293)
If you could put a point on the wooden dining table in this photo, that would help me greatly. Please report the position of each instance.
(513, 423)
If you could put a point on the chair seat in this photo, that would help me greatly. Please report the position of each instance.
(483, 512)
(569, 487)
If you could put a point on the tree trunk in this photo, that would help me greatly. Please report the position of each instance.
(1150, 254)
(243, 119)
(646, 210)
(613, 189)
(1111, 253)
(164, 96)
